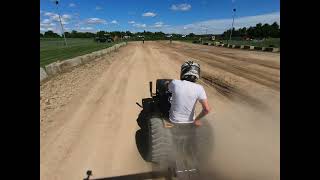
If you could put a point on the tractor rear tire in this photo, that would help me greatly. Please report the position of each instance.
(160, 142)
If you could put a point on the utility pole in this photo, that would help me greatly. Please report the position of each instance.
(64, 36)
(234, 12)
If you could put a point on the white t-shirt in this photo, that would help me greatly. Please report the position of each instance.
(185, 95)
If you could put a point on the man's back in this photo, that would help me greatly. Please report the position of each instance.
(185, 95)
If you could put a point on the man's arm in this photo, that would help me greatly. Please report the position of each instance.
(205, 110)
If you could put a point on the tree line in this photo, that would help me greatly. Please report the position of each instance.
(76, 34)
(257, 32)
(138, 35)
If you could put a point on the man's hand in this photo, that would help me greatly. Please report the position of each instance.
(198, 123)
(205, 111)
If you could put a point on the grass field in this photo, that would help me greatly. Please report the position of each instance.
(53, 49)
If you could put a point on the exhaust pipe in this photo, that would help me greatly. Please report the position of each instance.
(150, 85)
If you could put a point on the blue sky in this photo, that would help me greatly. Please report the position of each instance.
(170, 16)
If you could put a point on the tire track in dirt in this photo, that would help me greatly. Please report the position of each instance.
(98, 121)
(227, 89)
(229, 53)
(258, 77)
(81, 125)
(232, 92)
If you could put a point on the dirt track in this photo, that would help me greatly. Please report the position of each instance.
(88, 115)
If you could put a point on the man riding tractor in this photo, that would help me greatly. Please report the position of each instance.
(185, 94)
(171, 135)
(174, 136)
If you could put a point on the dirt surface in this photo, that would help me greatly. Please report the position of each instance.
(88, 115)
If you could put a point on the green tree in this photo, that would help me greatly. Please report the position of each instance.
(191, 35)
(226, 34)
(101, 33)
(275, 30)
(235, 33)
(51, 34)
(67, 34)
(258, 30)
(250, 32)
(266, 30)
(73, 34)
(243, 32)
(128, 33)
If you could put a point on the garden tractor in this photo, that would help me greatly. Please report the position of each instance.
(177, 150)
(179, 147)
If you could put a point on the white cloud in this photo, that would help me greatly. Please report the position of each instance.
(98, 7)
(52, 22)
(158, 24)
(140, 25)
(149, 14)
(86, 28)
(154, 27)
(55, 17)
(217, 26)
(95, 21)
(180, 7)
(131, 22)
(46, 21)
(65, 18)
(72, 5)
(67, 29)
(47, 25)
(114, 22)
(49, 14)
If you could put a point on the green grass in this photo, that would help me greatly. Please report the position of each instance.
(53, 49)
(275, 42)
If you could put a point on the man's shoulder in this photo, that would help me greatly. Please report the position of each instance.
(190, 84)
(175, 81)
(199, 86)
(194, 84)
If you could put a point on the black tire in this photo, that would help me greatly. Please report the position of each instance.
(142, 144)
(160, 142)
(142, 120)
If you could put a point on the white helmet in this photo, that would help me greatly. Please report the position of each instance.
(190, 71)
